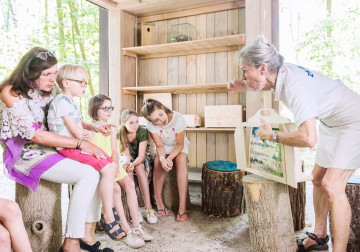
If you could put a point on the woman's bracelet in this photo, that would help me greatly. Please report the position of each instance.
(94, 125)
(161, 158)
(79, 143)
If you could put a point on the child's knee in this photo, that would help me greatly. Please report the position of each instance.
(108, 170)
(4, 236)
(117, 189)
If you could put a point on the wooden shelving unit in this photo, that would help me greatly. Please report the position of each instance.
(212, 45)
(178, 89)
(210, 130)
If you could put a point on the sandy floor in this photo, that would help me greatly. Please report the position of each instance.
(199, 233)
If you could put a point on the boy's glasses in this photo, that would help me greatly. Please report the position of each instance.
(106, 109)
(82, 83)
(44, 55)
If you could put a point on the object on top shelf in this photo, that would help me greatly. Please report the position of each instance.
(223, 115)
(164, 98)
(192, 121)
(147, 34)
(183, 32)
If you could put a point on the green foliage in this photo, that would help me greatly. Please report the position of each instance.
(28, 26)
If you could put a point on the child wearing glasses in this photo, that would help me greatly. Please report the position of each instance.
(64, 118)
(100, 109)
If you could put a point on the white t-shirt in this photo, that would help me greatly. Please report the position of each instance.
(168, 132)
(307, 93)
(59, 107)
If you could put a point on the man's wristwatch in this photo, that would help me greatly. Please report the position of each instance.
(275, 137)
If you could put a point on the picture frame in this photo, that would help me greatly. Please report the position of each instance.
(286, 170)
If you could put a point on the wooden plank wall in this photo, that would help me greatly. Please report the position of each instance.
(197, 69)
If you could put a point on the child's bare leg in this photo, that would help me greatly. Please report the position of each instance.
(106, 192)
(144, 184)
(159, 177)
(12, 221)
(119, 207)
(182, 182)
(129, 186)
(5, 240)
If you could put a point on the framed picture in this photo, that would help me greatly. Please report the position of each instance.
(268, 159)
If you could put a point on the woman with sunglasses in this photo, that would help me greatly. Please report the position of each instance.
(29, 146)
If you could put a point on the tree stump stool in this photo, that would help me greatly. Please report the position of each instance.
(41, 213)
(222, 190)
(298, 203)
(352, 191)
(269, 212)
(170, 192)
(141, 201)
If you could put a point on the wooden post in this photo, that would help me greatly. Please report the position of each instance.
(269, 213)
(41, 213)
(222, 192)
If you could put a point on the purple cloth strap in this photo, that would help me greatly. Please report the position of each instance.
(14, 147)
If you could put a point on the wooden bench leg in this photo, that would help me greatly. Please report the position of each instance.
(41, 213)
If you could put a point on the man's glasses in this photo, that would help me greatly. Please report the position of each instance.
(44, 55)
(106, 109)
(82, 83)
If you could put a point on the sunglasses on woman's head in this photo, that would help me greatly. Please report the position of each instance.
(106, 109)
(44, 55)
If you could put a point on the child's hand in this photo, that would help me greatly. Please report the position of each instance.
(170, 162)
(131, 167)
(166, 165)
(88, 135)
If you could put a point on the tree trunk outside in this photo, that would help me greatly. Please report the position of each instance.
(61, 30)
(41, 213)
(222, 192)
(269, 212)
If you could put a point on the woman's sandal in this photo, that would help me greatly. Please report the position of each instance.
(108, 227)
(93, 248)
(180, 217)
(320, 247)
(163, 214)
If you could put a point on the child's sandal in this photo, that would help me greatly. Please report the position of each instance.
(108, 227)
(163, 210)
(178, 220)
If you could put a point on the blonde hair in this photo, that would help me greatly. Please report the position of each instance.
(68, 71)
(260, 51)
(150, 105)
(123, 132)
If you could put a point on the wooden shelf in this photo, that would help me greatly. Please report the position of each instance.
(178, 89)
(210, 130)
(212, 45)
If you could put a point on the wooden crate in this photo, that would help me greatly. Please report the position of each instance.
(223, 116)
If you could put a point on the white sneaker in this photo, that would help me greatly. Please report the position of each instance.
(141, 231)
(151, 216)
(140, 217)
(133, 240)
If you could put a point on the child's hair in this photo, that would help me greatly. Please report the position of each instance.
(94, 105)
(122, 136)
(67, 71)
(150, 105)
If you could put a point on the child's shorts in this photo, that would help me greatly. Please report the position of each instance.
(75, 154)
(122, 174)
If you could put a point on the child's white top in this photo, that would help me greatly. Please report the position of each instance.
(168, 132)
(59, 107)
(307, 93)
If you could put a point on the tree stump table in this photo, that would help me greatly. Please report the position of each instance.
(222, 190)
(41, 213)
(269, 212)
(352, 191)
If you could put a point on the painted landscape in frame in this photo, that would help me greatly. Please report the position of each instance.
(265, 156)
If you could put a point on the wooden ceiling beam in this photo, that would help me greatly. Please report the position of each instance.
(193, 12)
(106, 4)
